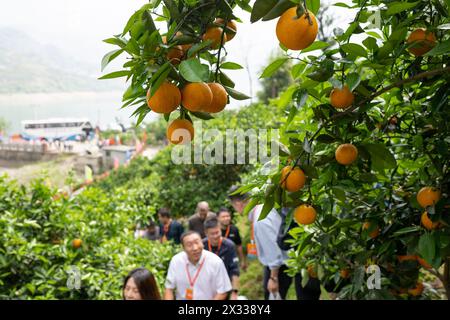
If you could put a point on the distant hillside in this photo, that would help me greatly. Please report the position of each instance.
(26, 66)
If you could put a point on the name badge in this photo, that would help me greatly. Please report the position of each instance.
(251, 251)
(189, 294)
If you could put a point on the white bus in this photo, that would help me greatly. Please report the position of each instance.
(57, 129)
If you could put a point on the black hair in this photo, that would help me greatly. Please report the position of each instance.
(223, 209)
(211, 223)
(164, 212)
(145, 282)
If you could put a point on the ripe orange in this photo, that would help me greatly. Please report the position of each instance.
(196, 96)
(345, 273)
(375, 233)
(417, 290)
(231, 27)
(423, 263)
(428, 196)
(346, 154)
(423, 41)
(166, 99)
(341, 98)
(406, 258)
(292, 179)
(175, 53)
(180, 131)
(215, 35)
(296, 33)
(427, 222)
(305, 214)
(76, 243)
(220, 98)
(311, 271)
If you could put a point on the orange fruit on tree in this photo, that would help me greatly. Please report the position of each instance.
(305, 214)
(373, 234)
(76, 243)
(292, 179)
(344, 273)
(166, 98)
(341, 98)
(220, 98)
(406, 258)
(231, 27)
(180, 131)
(296, 33)
(427, 222)
(346, 154)
(417, 290)
(422, 41)
(215, 35)
(175, 53)
(428, 196)
(311, 271)
(423, 263)
(196, 96)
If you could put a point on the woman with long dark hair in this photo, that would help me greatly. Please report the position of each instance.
(140, 284)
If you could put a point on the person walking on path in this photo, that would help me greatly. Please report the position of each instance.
(197, 220)
(195, 273)
(226, 250)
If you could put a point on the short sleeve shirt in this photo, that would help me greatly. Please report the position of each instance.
(212, 278)
(232, 234)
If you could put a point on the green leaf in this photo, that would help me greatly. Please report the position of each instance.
(267, 207)
(278, 9)
(341, 4)
(353, 80)
(399, 6)
(370, 43)
(407, 230)
(116, 74)
(273, 67)
(193, 71)
(300, 97)
(427, 247)
(158, 77)
(325, 138)
(440, 49)
(116, 41)
(324, 72)
(297, 70)
(252, 203)
(231, 66)
(261, 8)
(313, 6)
(202, 115)
(110, 57)
(381, 157)
(236, 94)
(317, 45)
(354, 49)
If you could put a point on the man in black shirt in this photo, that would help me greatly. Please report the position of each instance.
(226, 250)
(231, 232)
(169, 229)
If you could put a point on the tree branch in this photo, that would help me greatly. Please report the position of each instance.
(397, 84)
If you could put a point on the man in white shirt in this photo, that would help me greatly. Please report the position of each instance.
(196, 274)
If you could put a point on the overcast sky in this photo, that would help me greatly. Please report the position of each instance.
(78, 26)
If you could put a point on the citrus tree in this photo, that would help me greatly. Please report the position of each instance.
(365, 170)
